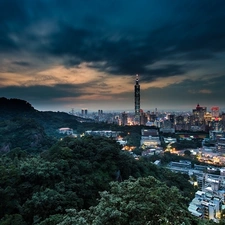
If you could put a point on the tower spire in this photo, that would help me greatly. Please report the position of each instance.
(137, 79)
(137, 100)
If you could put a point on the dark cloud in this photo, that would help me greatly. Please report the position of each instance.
(195, 35)
(69, 40)
(194, 30)
(116, 37)
(13, 13)
(21, 63)
(164, 71)
(185, 95)
(40, 92)
(12, 20)
(50, 92)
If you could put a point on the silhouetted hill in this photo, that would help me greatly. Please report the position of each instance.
(23, 126)
(15, 106)
(51, 121)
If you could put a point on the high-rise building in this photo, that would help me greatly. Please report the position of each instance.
(124, 119)
(143, 117)
(84, 112)
(100, 112)
(171, 118)
(152, 117)
(223, 120)
(137, 100)
(167, 124)
(198, 115)
(215, 110)
(180, 122)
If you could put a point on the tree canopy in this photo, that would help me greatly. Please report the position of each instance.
(139, 201)
(74, 173)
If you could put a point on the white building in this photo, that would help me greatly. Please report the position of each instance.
(103, 133)
(65, 130)
(150, 141)
(206, 205)
(169, 140)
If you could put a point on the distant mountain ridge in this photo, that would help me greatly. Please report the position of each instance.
(17, 108)
(21, 125)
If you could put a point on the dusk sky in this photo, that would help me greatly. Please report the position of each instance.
(64, 54)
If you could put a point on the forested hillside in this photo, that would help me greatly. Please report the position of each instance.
(50, 121)
(41, 188)
(23, 133)
(29, 129)
(47, 181)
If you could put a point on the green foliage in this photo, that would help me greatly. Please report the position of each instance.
(187, 153)
(137, 151)
(23, 133)
(133, 139)
(17, 153)
(14, 219)
(47, 202)
(135, 202)
(52, 220)
(168, 157)
(182, 144)
(70, 175)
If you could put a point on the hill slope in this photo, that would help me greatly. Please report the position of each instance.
(23, 126)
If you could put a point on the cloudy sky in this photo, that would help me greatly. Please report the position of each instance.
(64, 54)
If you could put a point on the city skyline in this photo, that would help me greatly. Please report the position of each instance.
(85, 54)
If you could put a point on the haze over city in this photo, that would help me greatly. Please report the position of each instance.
(78, 54)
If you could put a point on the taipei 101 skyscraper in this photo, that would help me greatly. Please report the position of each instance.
(137, 100)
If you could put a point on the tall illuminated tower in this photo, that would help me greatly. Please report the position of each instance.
(137, 100)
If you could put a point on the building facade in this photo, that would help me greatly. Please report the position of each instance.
(198, 115)
(124, 119)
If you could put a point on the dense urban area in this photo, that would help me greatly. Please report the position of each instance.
(198, 136)
(58, 168)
